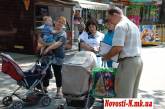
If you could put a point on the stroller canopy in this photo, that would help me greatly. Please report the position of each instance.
(10, 67)
(76, 72)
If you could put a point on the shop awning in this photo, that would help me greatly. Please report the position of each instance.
(85, 4)
(78, 4)
(91, 5)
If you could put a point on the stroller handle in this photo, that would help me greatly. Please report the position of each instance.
(46, 61)
(41, 57)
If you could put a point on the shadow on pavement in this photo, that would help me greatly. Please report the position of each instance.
(157, 95)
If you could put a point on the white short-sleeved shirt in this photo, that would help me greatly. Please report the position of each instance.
(93, 42)
(127, 35)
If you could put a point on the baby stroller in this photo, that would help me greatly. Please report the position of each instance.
(25, 79)
(76, 74)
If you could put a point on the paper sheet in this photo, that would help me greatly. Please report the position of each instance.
(104, 48)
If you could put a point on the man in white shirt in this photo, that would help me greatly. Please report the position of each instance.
(127, 43)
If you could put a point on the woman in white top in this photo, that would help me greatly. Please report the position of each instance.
(90, 40)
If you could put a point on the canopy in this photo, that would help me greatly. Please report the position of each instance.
(91, 5)
(85, 4)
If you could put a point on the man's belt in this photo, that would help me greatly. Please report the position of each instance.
(121, 59)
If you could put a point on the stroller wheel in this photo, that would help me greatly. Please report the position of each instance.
(45, 101)
(16, 105)
(7, 100)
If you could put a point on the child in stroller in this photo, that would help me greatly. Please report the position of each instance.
(27, 79)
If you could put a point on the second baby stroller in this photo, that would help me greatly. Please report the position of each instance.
(76, 73)
(27, 79)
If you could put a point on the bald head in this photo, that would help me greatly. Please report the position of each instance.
(114, 15)
(115, 10)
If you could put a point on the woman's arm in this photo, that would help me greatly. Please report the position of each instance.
(85, 46)
(40, 43)
(53, 46)
(61, 41)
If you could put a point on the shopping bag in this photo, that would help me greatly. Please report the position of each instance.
(103, 82)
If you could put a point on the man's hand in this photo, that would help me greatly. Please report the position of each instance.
(114, 51)
(105, 58)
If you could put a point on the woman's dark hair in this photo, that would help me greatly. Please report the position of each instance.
(91, 22)
(115, 10)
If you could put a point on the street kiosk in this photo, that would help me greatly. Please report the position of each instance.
(19, 19)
